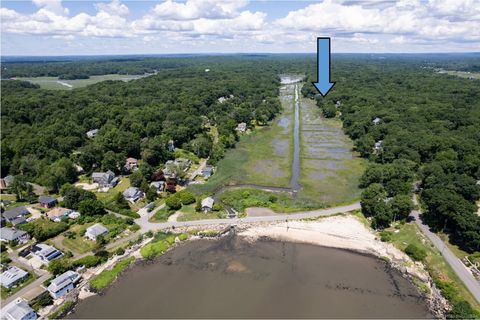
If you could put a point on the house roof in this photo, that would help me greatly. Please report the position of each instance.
(57, 212)
(207, 169)
(46, 200)
(208, 202)
(8, 179)
(97, 230)
(63, 280)
(19, 211)
(46, 251)
(17, 309)
(131, 192)
(18, 220)
(12, 275)
(10, 234)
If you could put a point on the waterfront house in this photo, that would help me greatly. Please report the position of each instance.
(105, 179)
(12, 276)
(207, 204)
(63, 284)
(9, 234)
(92, 133)
(17, 310)
(47, 202)
(93, 232)
(207, 172)
(46, 253)
(131, 164)
(133, 194)
(56, 214)
(241, 127)
(19, 212)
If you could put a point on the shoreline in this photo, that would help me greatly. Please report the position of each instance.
(350, 234)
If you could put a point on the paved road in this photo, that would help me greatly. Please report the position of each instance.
(23, 291)
(460, 269)
(152, 226)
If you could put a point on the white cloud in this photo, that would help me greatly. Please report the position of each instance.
(356, 24)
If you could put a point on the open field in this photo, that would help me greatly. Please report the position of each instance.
(462, 74)
(330, 171)
(53, 83)
(262, 157)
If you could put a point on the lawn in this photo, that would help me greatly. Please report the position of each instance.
(53, 83)
(162, 215)
(123, 185)
(106, 277)
(438, 268)
(189, 213)
(78, 245)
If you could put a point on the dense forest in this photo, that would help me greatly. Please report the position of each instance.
(420, 129)
(44, 131)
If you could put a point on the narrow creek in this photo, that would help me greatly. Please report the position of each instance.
(294, 184)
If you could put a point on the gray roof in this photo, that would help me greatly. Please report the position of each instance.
(63, 280)
(17, 309)
(131, 192)
(97, 230)
(19, 211)
(10, 234)
(8, 179)
(12, 275)
(18, 220)
(46, 199)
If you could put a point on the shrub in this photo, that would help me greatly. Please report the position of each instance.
(385, 236)
(120, 252)
(462, 310)
(182, 236)
(415, 252)
(106, 277)
(88, 261)
(173, 203)
(43, 300)
(186, 197)
(217, 207)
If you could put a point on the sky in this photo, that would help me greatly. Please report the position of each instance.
(56, 27)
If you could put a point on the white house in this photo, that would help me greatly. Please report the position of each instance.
(12, 276)
(95, 231)
(18, 310)
(63, 284)
(92, 133)
(133, 194)
(46, 253)
(207, 204)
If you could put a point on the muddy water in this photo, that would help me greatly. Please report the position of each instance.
(294, 184)
(230, 278)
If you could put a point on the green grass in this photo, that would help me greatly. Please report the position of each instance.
(240, 199)
(106, 277)
(5, 293)
(110, 194)
(162, 215)
(324, 177)
(439, 269)
(61, 310)
(50, 83)
(189, 214)
(160, 244)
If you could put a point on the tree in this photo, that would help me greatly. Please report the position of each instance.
(59, 173)
(120, 201)
(401, 206)
(59, 266)
(22, 189)
(186, 197)
(136, 178)
(173, 203)
(72, 196)
(151, 194)
(91, 207)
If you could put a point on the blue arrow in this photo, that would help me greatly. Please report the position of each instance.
(323, 67)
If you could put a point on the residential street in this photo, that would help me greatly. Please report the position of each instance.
(460, 269)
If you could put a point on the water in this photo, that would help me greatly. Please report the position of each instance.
(294, 184)
(231, 278)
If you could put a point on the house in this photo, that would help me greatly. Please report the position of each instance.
(12, 276)
(158, 185)
(133, 194)
(207, 204)
(46, 253)
(63, 284)
(207, 172)
(92, 133)
(241, 127)
(56, 214)
(378, 145)
(131, 164)
(376, 121)
(9, 234)
(95, 231)
(46, 201)
(223, 99)
(18, 220)
(19, 212)
(8, 180)
(105, 179)
(18, 310)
